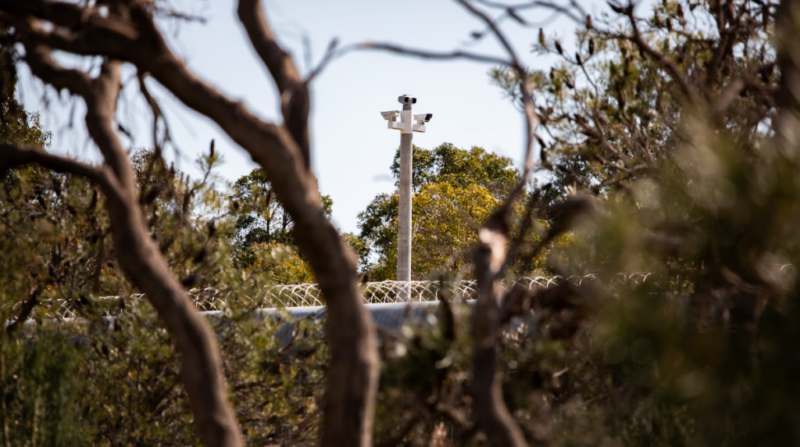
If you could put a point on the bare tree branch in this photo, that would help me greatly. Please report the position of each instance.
(279, 62)
(528, 106)
(295, 99)
(490, 409)
(13, 155)
(138, 255)
(425, 54)
(687, 89)
(561, 9)
(40, 59)
(330, 55)
(158, 114)
(94, 92)
(352, 375)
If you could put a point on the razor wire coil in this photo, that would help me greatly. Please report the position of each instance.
(310, 295)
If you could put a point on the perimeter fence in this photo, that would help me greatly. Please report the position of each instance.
(302, 295)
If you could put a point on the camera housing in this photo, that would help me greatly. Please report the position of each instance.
(404, 121)
(390, 115)
(406, 100)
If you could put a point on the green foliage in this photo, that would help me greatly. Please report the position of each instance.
(701, 201)
(281, 263)
(275, 372)
(698, 348)
(455, 191)
(16, 125)
(446, 224)
(459, 168)
(444, 232)
(696, 197)
(262, 232)
(135, 394)
(36, 368)
(38, 389)
(259, 218)
(715, 226)
(378, 225)
(100, 382)
(610, 113)
(105, 383)
(359, 247)
(425, 366)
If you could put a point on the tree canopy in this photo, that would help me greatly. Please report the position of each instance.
(460, 168)
(263, 237)
(455, 190)
(260, 219)
(615, 108)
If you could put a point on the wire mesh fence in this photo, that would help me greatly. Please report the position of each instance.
(302, 295)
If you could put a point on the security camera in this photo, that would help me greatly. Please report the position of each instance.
(390, 115)
(405, 99)
(424, 117)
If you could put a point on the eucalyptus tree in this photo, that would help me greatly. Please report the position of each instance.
(675, 137)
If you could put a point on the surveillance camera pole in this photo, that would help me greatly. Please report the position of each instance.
(407, 126)
(404, 219)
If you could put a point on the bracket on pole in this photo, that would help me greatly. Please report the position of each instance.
(407, 123)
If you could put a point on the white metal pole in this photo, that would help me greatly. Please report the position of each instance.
(404, 218)
(407, 126)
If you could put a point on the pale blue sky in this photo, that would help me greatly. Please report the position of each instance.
(352, 148)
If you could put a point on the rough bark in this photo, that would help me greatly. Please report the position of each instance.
(282, 150)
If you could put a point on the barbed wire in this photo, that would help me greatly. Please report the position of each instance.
(307, 295)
